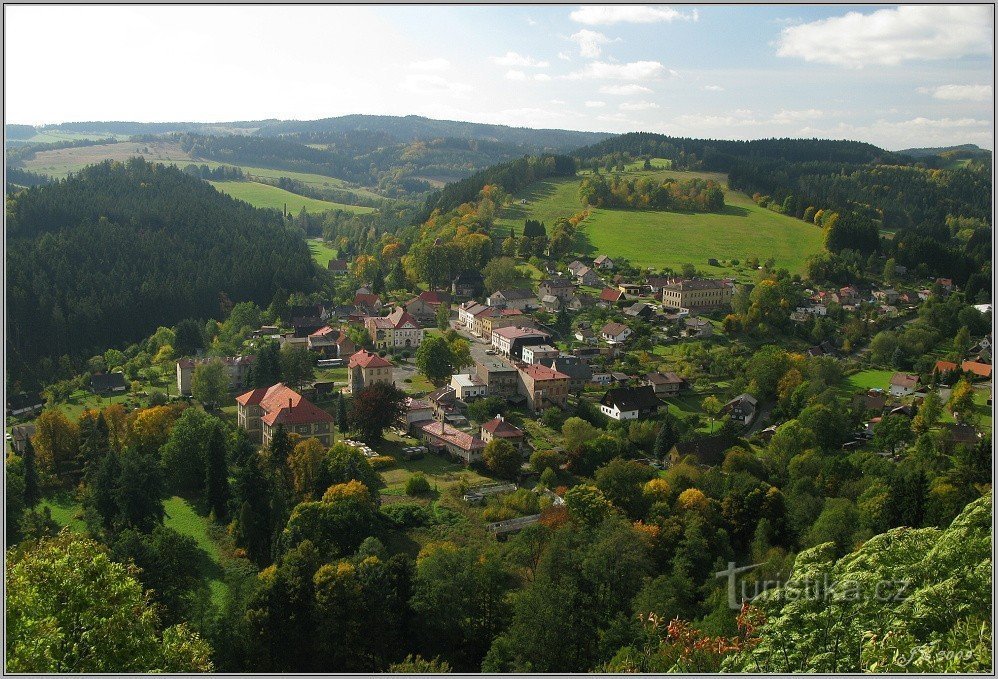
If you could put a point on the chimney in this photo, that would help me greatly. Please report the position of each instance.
(289, 401)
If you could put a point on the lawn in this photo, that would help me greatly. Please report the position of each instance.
(670, 239)
(267, 196)
(181, 517)
(321, 251)
(65, 511)
(439, 471)
(869, 379)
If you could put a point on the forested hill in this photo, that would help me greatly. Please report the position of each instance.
(105, 257)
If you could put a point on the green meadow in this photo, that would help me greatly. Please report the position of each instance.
(660, 239)
(267, 196)
(321, 251)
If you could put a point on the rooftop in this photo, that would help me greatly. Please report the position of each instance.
(631, 398)
(456, 437)
(516, 332)
(367, 359)
(697, 284)
(539, 372)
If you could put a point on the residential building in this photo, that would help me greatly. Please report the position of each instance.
(423, 307)
(468, 283)
(903, 384)
(630, 289)
(615, 333)
(629, 403)
(260, 411)
(697, 293)
(509, 341)
(741, 408)
(366, 368)
(331, 342)
(705, 452)
(575, 267)
(610, 297)
(543, 387)
(397, 330)
(587, 276)
(665, 383)
(466, 313)
(640, 310)
(108, 383)
(943, 367)
(19, 436)
(976, 369)
(24, 403)
(585, 335)
(503, 318)
(417, 412)
(338, 266)
(603, 262)
(539, 353)
(579, 373)
(562, 288)
(513, 298)
(446, 406)
(441, 437)
(697, 327)
(499, 428)
(873, 400)
(500, 378)
(946, 283)
(367, 303)
(236, 367)
(602, 379)
(656, 283)
(467, 387)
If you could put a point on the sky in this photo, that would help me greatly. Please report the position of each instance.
(894, 76)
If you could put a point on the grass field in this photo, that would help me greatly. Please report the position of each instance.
(181, 517)
(869, 379)
(670, 239)
(65, 511)
(267, 196)
(321, 252)
(440, 472)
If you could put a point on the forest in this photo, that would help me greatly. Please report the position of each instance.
(103, 258)
(688, 195)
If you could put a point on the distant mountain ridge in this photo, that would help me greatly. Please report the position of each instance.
(969, 149)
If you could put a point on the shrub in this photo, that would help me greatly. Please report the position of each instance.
(381, 461)
(417, 485)
(407, 514)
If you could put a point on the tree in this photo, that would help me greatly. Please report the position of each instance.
(216, 484)
(139, 492)
(252, 491)
(435, 360)
(341, 412)
(375, 408)
(69, 587)
(184, 456)
(417, 485)
(928, 413)
(502, 458)
(667, 436)
(892, 432)
(712, 406)
(961, 343)
(460, 350)
(443, 316)
(419, 665)
(297, 365)
(502, 273)
(280, 448)
(336, 524)
(621, 482)
(484, 409)
(32, 490)
(890, 270)
(576, 432)
(210, 383)
(56, 442)
(266, 369)
(188, 337)
(306, 466)
(587, 504)
(14, 478)
(961, 401)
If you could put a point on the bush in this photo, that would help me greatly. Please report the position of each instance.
(407, 514)
(381, 461)
(417, 485)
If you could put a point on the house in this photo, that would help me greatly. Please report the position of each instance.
(741, 408)
(19, 436)
(873, 400)
(620, 378)
(705, 452)
(888, 295)
(509, 341)
(467, 311)
(479, 318)
(697, 327)
(468, 283)
(338, 266)
(640, 310)
(260, 411)
(108, 383)
(499, 428)
(849, 294)
(271, 331)
(697, 293)
(513, 298)
(575, 267)
(539, 353)
(631, 289)
(587, 276)
(800, 316)
(656, 283)
(550, 303)
(610, 297)
(500, 378)
(467, 387)
(23, 403)
(603, 262)
(961, 434)
(562, 288)
(976, 369)
(585, 335)
(543, 387)
(440, 436)
(502, 318)
(397, 330)
(423, 307)
(579, 373)
(367, 303)
(602, 379)
(945, 283)
(903, 384)
(616, 333)
(331, 342)
(366, 368)
(665, 383)
(237, 369)
(943, 367)
(417, 412)
(445, 405)
(629, 403)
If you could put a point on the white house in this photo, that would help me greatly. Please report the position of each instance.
(468, 386)
(615, 332)
(629, 403)
(903, 384)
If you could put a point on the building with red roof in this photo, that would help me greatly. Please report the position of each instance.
(397, 330)
(366, 368)
(499, 428)
(331, 342)
(441, 436)
(543, 387)
(261, 410)
(977, 369)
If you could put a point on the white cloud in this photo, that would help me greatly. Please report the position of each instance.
(428, 83)
(959, 92)
(712, 88)
(786, 116)
(595, 104)
(635, 70)
(889, 37)
(624, 90)
(564, 56)
(590, 42)
(516, 75)
(531, 22)
(558, 102)
(632, 14)
(637, 105)
(542, 77)
(514, 59)
(438, 64)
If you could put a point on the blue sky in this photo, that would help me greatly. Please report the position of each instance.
(894, 76)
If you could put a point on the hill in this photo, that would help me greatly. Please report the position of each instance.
(972, 149)
(104, 258)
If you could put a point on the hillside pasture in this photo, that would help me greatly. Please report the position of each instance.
(267, 196)
(321, 251)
